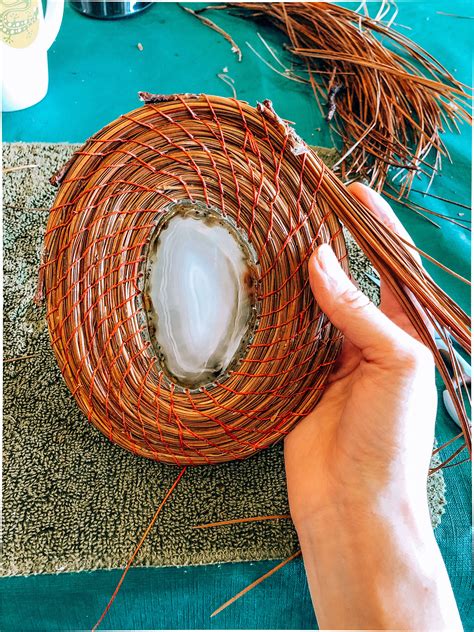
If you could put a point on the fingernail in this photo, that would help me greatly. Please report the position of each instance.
(327, 259)
(371, 193)
(382, 206)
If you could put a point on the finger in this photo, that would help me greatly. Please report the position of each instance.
(365, 326)
(349, 356)
(389, 302)
(347, 360)
(382, 209)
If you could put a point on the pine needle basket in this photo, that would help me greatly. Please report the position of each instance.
(251, 166)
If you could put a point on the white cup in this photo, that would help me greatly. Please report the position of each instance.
(26, 36)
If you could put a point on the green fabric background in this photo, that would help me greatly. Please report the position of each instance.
(95, 72)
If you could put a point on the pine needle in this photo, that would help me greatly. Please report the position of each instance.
(23, 357)
(19, 168)
(138, 547)
(256, 583)
(218, 29)
(241, 520)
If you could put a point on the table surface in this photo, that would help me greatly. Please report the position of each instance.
(96, 70)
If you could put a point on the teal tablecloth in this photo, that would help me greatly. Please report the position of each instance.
(96, 70)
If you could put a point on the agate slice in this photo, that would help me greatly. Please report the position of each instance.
(200, 292)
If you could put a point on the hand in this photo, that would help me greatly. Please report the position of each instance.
(357, 465)
(371, 435)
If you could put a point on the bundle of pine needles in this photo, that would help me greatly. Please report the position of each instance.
(387, 98)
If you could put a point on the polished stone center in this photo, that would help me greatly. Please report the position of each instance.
(201, 289)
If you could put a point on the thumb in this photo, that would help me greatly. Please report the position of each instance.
(361, 322)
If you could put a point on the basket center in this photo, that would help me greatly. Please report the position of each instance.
(201, 289)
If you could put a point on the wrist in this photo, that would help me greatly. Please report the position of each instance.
(385, 565)
(382, 511)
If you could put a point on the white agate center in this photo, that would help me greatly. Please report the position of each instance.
(201, 294)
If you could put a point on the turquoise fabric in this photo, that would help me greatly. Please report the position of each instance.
(161, 598)
(95, 71)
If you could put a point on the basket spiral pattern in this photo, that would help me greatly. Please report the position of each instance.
(245, 162)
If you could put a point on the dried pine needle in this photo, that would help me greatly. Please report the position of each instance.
(455, 15)
(229, 82)
(212, 25)
(223, 523)
(23, 357)
(226, 140)
(256, 583)
(138, 547)
(19, 168)
(443, 199)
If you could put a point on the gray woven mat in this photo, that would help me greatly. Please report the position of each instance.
(71, 499)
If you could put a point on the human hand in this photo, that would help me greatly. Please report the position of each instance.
(357, 465)
(370, 437)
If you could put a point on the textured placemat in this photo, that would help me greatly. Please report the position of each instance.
(71, 499)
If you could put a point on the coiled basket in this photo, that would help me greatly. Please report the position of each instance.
(249, 165)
